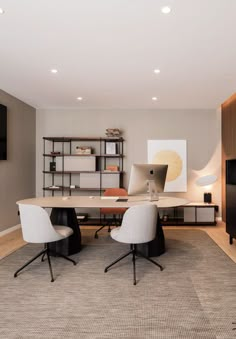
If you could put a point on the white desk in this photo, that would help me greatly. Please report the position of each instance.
(63, 212)
(98, 202)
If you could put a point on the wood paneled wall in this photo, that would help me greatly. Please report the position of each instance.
(228, 111)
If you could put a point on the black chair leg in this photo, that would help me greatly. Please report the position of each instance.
(134, 253)
(149, 259)
(96, 233)
(42, 259)
(49, 264)
(117, 260)
(45, 252)
(65, 257)
(134, 270)
(30, 261)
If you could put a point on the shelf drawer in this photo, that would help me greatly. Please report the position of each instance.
(89, 180)
(72, 163)
(205, 214)
(92, 180)
(189, 214)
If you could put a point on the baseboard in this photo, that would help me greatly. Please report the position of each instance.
(9, 230)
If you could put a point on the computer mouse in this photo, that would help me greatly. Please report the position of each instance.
(65, 198)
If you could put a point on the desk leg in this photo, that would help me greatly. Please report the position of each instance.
(67, 217)
(155, 247)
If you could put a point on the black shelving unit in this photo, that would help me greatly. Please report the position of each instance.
(68, 180)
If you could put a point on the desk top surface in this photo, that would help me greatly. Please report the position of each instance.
(98, 202)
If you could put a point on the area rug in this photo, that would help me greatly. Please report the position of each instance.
(193, 297)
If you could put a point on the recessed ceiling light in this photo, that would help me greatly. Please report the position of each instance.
(166, 9)
(154, 98)
(157, 71)
(2, 11)
(54, 70)
(80, 98)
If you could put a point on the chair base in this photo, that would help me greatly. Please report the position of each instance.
(96, 233)
(114, 221)
(133, 251)
(44, 252)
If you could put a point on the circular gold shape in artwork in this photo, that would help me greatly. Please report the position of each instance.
(174, 161)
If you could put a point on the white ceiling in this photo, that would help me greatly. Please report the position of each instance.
(106, 51)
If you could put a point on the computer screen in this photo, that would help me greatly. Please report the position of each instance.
(147, 179)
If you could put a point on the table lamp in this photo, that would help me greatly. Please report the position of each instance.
(206, 181)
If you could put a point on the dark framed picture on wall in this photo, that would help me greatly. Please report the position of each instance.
(3, 132)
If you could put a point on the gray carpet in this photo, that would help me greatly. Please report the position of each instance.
(194, 297)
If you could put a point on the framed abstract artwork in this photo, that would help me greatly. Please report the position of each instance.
(172, 153)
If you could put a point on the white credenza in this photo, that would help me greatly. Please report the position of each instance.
(200, 213)
(194, 213)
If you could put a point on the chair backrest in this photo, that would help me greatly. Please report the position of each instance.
(36, 225)
(116, 192)
(138, 225)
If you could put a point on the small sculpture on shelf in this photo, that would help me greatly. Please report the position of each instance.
(113, 132)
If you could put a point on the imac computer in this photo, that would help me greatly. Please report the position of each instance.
(147, 179)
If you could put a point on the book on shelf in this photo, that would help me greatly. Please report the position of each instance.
(110, 148)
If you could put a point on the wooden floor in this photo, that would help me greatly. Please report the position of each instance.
(12, 241)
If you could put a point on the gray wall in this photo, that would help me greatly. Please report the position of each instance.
(17, 173)
(201, 129)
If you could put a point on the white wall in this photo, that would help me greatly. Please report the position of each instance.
(201, 129)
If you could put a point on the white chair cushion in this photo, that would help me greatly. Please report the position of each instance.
(65, 231)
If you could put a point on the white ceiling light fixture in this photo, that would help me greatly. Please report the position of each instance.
(154, 98)
(166, 9)
(54, 71)
(156, 71)
(2, 11)
(79, 98)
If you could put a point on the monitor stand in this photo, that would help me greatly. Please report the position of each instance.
(153, 194)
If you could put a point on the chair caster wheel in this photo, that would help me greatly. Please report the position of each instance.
(96, 236)
(161, 268)
(105, 271)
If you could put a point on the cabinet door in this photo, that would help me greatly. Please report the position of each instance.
(206, 214)
(189, 214)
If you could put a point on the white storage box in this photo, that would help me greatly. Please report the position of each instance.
(77, 163)
(88, 180)
(110, 180)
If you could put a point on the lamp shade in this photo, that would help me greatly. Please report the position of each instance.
(206, 180)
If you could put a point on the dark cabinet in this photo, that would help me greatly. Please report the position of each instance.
(231, 199)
